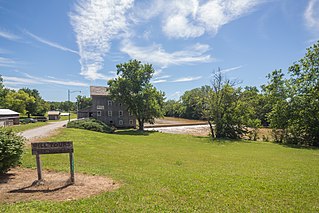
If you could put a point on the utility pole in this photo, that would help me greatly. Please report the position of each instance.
(69, 94)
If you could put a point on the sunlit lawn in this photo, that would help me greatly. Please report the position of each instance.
(179, 173)
(23, 127)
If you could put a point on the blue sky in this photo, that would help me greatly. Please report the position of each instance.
(54, 46)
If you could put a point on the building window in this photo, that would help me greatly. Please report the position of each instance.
(109, 103)
(98, 113)
(130, 113)
(120, 104)
(131, 122)
(109, 113)
(120, 122)
(99, 107)
(120, 113)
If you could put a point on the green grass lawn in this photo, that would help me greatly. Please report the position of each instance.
(23, 127)
(179, 173)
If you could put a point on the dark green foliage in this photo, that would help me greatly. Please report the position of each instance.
(11, 149)
(133, 88)
(294, 101)
(91, 124)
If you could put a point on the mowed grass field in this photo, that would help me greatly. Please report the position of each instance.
(178, 173)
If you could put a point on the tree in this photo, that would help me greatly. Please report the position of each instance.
(18, 101)
(83, 101)
(295, 101)
(226, 114)
(193, 102)
(39, 106)
(3, 93)
(133, 88)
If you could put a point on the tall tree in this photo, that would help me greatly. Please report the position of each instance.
(133, 88)
(39, 106)
(83, 101)
(18, 101)
(226, 114)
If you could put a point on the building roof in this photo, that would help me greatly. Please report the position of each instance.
(8, 112)
(99, 91)
(54, 113)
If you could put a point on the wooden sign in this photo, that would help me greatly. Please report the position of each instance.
(53, 148)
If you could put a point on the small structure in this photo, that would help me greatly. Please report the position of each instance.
(54, 115)
(106, 110)
(53, 148)
(8, 117)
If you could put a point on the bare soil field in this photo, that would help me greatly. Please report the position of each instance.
(19, 185)
(171, 121)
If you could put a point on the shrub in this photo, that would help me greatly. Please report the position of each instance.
(91, 124)
(11, 149)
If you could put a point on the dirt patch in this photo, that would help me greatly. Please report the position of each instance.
(19, 185)
(195, 130)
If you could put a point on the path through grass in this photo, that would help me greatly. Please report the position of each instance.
(179, 173)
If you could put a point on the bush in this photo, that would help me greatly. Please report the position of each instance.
(91, 124)
(11, 149)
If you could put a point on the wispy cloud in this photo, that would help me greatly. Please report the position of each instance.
(7, 35)
(311, 15)
(95, 23)
(50, 43)
(231, 69)
(159, 81)
(176, 95)
(187, 79)
(155, 54)
(7, 62)
(30, 80)
(193, 18)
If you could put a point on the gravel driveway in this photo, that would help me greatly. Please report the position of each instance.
(43, 131)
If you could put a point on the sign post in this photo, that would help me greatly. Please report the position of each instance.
(53, 148)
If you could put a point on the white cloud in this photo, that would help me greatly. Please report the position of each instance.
(7, 35)
(155, 54)
(230, 69)
(7, 62)
(187, 79)
(29, 80)
(96, 23)
(175, 96)
(311, 15)
(50, 43)
(159, 81)
(193, 18)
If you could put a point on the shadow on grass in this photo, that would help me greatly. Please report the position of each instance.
(134, 132)
(295, 146)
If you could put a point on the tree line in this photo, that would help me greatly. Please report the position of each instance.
(289, 104)
(30, 103)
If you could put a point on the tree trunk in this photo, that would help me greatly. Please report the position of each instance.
(29, 115)
(211, 130)
(140, 124)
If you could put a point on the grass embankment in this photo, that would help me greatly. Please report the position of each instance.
(179, 173)
(23, 127)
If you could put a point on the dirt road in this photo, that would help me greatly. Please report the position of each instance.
(42, 131)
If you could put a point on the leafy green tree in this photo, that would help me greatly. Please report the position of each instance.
(39, 106)
(193, 102)
(18, 101)
(173, 108)
(83, 101)
(226, 114)
(133, 88)
(294, 101)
